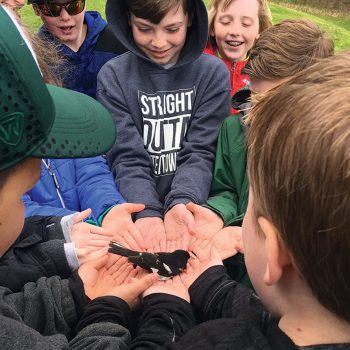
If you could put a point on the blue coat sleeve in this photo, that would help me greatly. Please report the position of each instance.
(33, 208)
(95, 185)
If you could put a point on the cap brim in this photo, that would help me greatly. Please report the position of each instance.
(82, 127)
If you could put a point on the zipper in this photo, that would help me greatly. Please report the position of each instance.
(54, 179)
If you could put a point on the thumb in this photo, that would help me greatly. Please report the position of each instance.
(194, 208)
(82, 215)
(144, 283)
(133, 207)
(99, 262)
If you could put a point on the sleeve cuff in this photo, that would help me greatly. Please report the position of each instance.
(66, 223)
(71, 255)
(105, 309)
(102, 216)
(148, 213)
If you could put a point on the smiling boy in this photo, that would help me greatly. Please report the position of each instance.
(168, 100)
(82, 37)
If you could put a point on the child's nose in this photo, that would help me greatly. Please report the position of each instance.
(64, 15)
(158, 41)
(235, 29)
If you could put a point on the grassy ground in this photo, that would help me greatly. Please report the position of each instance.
(336, 25)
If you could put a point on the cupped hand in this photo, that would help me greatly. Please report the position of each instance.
(119, 222)
(204, 256)
(206, 222)
(153, 233)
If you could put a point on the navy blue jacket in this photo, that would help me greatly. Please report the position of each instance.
(83, 66)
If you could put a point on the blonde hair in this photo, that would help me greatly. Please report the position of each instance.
(265, 17)
(299, 170)
(286, 49)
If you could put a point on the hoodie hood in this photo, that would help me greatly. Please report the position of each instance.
(197, 33)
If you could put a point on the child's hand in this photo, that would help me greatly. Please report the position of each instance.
(119, 222)
(228, 241)
(90, 241)
(206, 221)
(153, 233)
(172, 286)
(116, 277)
(205, 257)
(178, 221)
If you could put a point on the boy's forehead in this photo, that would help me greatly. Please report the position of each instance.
(175, 14)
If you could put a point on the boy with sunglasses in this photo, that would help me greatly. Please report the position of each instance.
(82, 37)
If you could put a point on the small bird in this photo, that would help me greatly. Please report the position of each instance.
(165, 264)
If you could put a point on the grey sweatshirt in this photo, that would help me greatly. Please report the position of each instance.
(167, 120)
(43, 315)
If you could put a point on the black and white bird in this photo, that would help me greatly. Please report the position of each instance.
(165, 264)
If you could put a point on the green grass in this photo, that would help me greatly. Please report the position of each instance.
(338, 27)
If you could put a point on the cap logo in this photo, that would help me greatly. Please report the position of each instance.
(11, 128)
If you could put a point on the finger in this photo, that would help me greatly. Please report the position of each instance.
(82, 215)
(172, 246)
(191, 207)
(133, 207)
(185, 241)
(118, 270)
(120, 263)
(100, 262)
(132, 277)
(131, 243)
(112, 259)
(136, 235)
(97, 243)
(123, 276)
(100, 231)
(142, 284)
(162, 243)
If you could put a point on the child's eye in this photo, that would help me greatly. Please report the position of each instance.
(143, 30)
(173, 30)
(246, 25)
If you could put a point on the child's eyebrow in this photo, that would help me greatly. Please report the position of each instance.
(174, 24)
(248, 18)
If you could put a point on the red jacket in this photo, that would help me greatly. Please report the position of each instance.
(238, 80)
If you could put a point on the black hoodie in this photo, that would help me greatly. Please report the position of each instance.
(167, 120)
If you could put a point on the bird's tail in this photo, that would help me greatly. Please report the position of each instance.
(118, 249)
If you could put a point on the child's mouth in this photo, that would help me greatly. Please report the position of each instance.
(66, 30)
(234, 43)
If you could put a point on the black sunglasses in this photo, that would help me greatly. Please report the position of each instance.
(52, 9)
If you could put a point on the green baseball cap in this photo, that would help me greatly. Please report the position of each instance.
(41, 120)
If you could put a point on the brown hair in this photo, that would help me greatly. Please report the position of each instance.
(286, 49)
(265, 18)
(299, 170)
(156, 10)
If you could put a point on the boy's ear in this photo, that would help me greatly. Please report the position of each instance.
(276, 254)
